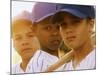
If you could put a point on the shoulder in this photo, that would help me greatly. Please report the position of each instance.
(42, 54)
(48, 57)
(40, 61)
(91, 55)
(90, 60)
(15, 67)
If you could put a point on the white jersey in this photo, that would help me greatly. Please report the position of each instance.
(41, 61)
(87, 63)
(17, 69)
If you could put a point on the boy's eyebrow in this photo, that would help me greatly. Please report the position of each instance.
(45, 24)
(16, 35)
(29, 32)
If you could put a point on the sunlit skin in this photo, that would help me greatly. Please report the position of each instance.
(24, 40)
(48, 36)
(76, 33)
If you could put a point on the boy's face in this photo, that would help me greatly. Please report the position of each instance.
(24, 40)
(48, 35)
(75, 31)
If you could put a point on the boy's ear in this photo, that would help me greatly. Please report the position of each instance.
(91, 25)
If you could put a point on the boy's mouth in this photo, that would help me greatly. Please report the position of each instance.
(70, 38)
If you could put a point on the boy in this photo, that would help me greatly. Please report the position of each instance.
(76, 23)
(48, 36)
(24, 41)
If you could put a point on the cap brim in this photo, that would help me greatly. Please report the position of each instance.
(44, 17)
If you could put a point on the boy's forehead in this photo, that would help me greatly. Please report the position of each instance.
(19, 25)
(47, 22)
(21, 31)
(21, 21)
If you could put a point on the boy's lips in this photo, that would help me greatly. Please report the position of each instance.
(55, 42)
(27, 49)
(70, 38)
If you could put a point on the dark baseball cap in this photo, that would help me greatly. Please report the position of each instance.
(81, 11)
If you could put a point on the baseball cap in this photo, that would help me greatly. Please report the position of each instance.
(23, 15)
(42, 10)
(81, 11)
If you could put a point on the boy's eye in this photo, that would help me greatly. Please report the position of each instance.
(18, 38)
(64, 25)
(30, 35)
(47, 28)
(75, 21)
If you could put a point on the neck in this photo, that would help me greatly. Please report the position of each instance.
(24, 64)
(52, 52)
(81, 52)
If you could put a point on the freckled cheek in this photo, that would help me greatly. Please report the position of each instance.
(80, 36)
(31, 44)
(30, 41)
